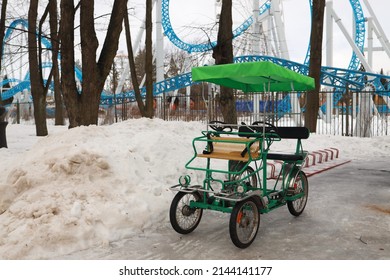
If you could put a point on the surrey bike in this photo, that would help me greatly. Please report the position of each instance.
(234, 161)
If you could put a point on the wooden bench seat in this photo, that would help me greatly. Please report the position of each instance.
(232, 148)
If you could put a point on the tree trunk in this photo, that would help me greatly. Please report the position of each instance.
(59, 111)
(2, 32)
(83, 108)
(146, 109)
(317, 25)
(223, 54)
(133, 70)
(91, 82)
(149, 59)
(68, 80)
(38, 90)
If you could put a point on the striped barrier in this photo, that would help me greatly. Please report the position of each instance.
(326, 159)
(316, 162)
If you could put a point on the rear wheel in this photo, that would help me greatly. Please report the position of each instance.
(300, 185)
(250, 173)
(184, 219)
(244, 222)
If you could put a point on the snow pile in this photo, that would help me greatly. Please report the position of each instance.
(89, 186)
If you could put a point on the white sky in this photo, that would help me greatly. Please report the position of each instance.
(188, 17)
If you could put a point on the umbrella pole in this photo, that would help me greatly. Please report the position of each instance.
(266, 90)
(206, 102)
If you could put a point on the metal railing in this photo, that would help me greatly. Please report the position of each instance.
(363, 114)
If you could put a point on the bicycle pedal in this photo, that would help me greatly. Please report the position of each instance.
(275, 196)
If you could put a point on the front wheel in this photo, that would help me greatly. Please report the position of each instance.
(183, 218)
(298, 186)
(244, 222)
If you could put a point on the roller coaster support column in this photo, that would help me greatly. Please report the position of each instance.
(329, 33)
(355, 48)
(159, 48)
(370, 41)
(256, 28)
(380, 32)
(277, 12)
(126, 71)
(329, 55)
(256, 51)
(136, 44)
(329, 107)
(363, 121)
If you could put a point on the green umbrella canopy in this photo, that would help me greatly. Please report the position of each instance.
(253, 77)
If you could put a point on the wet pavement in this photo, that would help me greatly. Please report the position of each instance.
(347, 217)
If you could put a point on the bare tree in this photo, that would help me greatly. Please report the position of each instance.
(3, 124)
(146, 109)
(223, 54)
(140, 65)
(83, 108)
(68, 79)
(317, 26)
(149, 59)
(2, 31)
(38, 87)
(59, 112)
(133, 70)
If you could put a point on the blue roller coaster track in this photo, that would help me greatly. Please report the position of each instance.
(21, 85)
(333, 77)
(330, 76)
(354, 64)
(337, 78)
(204, 47)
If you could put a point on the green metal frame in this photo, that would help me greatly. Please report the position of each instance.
(224, 200)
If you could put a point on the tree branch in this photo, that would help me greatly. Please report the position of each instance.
(133, 71)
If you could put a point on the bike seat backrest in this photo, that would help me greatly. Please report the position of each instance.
(284, 132)
(295, 132)
(248, 131)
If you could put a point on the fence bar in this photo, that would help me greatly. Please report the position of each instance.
(362, 114)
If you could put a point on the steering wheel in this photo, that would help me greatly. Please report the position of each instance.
(269, 127)
(220, 126)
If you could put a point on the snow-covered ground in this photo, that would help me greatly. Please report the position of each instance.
(90, 186)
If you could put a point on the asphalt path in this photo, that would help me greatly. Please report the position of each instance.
(347, 217)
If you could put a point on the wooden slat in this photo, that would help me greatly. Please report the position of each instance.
(230, 148)
(229, 156)
(233, 139)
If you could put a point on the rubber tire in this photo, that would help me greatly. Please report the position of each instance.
(234, 224)
(292, 207)
(173, 211)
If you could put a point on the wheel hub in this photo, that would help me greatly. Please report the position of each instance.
(244, 222)
(187, 210)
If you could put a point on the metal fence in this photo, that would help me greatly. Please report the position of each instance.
(363, 114)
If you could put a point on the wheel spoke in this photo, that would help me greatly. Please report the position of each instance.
(244, 222)
(183, 218)
(297, 206)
